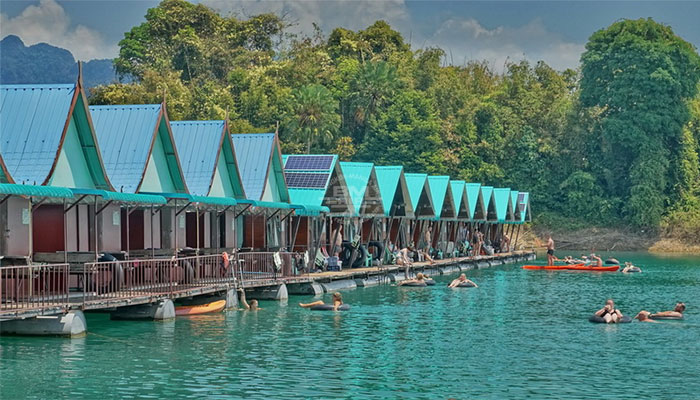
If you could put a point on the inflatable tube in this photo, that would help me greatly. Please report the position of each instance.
(665, 318)
(329, 307)
(415, 284)
(465, 284)
(612, 261)
(633, 269)
(429, 282)
(600, 320)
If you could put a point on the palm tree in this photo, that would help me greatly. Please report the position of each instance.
(314, 115)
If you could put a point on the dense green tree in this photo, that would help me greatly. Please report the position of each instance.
(617, 140)
(314, 116)
(641, 75)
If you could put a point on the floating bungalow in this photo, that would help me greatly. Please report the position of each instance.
(267, 225)
(396, 202)
(115, 207)
(214, 183)
(140, 157)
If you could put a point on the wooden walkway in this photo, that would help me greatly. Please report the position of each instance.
(94, 302)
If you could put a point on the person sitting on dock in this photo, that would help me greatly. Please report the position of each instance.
(337, 302)
(643, 316)
(420, 278)
(461, 279)
(676, 313)
(609, 313)
(253, 306)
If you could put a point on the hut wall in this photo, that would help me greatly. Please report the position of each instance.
(109, 228)
(15, 220)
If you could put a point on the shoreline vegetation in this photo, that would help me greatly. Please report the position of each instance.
(607, 239)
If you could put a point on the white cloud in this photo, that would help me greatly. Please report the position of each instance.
(350, 14)
(466, 39)
(48, 22)
(462, 38)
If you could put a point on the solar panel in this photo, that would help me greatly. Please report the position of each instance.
(309, 162)
(306, 180)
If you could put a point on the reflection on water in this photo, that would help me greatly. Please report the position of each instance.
(520, 334)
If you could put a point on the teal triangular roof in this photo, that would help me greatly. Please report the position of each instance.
(514, 205)
(34, 124)
(489, 205)
(200, 144)
(459, 194)
(260, 163)
(127, 135)
(441, 192)
(524, 205)
(332, 192)
(363, 188)
(394, 191)
(477, 208)
(502, 205)
(421, 198)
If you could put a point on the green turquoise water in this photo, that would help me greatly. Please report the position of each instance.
(520, 334)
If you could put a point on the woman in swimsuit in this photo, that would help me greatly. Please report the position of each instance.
(609, 313)
(676, 313)
(337, 302)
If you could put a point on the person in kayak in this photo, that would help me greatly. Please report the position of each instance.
(676, 313)
(609, 313)
(597, 261)
(462, 279)
(550, 250)
(253, 306)
(337, 302)
(420, 278)
(643, 316)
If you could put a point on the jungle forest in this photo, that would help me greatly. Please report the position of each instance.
(613, 142)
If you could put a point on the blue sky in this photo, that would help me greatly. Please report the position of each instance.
(495, 31)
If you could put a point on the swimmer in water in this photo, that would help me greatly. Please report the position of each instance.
(676, 313)
(609, 313)
(253, 306)
(630, 268)
(337, 302)
(420, 278)
(643, 316)
(462, 279)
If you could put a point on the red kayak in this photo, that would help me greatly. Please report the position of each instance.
(574, 267)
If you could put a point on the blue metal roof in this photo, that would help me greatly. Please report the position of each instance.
(125, 134)
(200, 144)
(32, 119)
(253, 152)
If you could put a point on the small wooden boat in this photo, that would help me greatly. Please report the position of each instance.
(574, 267)
(208, 308)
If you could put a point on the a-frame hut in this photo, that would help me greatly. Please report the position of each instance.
(209, 164)
(267, 219)
(140, 156)
(48, 141)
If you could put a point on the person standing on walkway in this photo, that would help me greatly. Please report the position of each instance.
(550, 250)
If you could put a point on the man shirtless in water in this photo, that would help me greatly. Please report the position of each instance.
(550, 251)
